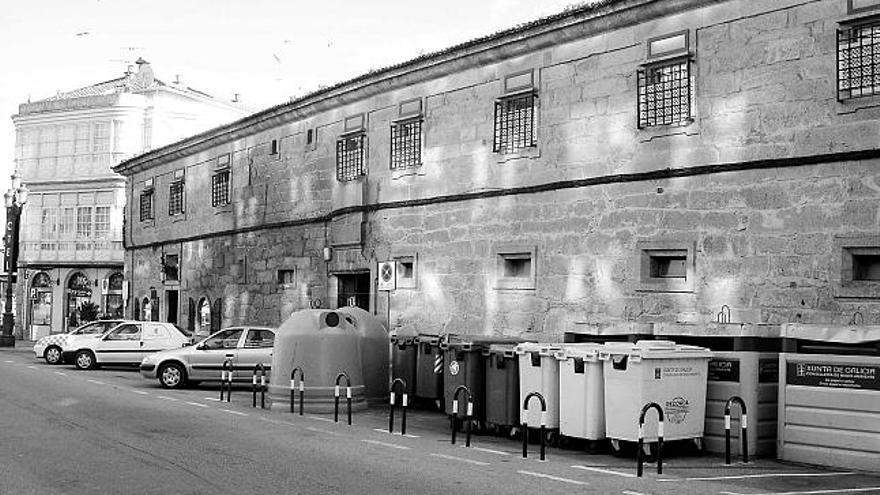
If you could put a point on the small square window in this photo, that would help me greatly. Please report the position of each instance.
(406, 272)
(515, 123)
(859, 266)
(665, 266)
(665, 93)
(866, 267)
(515, 267)
(286, 277)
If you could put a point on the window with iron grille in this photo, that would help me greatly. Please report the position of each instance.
(515, 123)
(175, 198)
(858, 61)
(665, 93)
(406, 144)
(220, 188)
(350, 157)
(147, 205)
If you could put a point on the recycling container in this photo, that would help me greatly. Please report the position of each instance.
(581, 392)
(502, 386)
(464, 365)
(429, 366)
(674, 376)
(829, 395)
(539, 372)
(609, 331)
(745, 364)
(404, 352)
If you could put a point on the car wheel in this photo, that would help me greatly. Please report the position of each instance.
(52, 355)
(84, 360)
(172, 375)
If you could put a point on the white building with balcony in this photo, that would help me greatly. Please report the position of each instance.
(71, 239)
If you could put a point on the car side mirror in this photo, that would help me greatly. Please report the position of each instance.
(201, 347)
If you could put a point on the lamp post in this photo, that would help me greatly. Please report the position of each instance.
(15, 198)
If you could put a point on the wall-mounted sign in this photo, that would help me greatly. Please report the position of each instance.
(387, 276)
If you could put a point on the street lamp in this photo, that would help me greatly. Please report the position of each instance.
(15, 198)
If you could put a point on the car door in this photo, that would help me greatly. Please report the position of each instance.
(256, 348)
(120, 345)
(156, 337)
(206, 360)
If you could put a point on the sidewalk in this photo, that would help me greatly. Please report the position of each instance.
(20, 346)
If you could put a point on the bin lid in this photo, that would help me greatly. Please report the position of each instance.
(654, 349)
(585, 351)
(428, 338)
(542, 348)
(846, 334)
(471, 342)
(402, 339)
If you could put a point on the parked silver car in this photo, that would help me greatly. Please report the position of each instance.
(245, 346)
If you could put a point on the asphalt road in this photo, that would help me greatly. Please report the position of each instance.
(64, 431)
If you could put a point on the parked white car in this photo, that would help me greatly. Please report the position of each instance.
(51, 347)
(125, 344)
(245, 347)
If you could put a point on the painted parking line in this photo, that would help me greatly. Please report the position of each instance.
(321, 430)
(61, 373)
(96, 382)
(31, 367)
(212, 399)
(165, 397)
(237, 413)
(385, 444)
(9, 362)
(319, 418)
(380, 430)
(460, 459)
(551, 477)
(762, 475)
(140, 392)
(604, 471)
(197, 404)
(488, 451)
(875, 489)
(630, 492)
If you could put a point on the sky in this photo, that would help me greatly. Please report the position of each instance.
(264, 50)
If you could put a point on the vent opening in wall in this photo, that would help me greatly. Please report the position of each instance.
(665, 266)
(515, 268)
(668, 264)
(866, 267)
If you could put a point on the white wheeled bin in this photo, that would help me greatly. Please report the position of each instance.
(539, 372)
(673, 376)
(581, 392)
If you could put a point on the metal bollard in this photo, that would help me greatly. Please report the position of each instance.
(525, 426)
(640, 454)
(262, 370)
(226, 380)
(302, 388)
(468, 414)
(744, 432)
(403, 405)
(336, 397)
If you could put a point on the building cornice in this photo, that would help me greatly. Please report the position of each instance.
(570, 25)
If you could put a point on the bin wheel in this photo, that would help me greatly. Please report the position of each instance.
(552, 438)
(514, 432)
(438, 405)
(616, 448)
(564, 441)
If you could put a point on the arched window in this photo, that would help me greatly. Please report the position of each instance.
(42, 280)
(79, 291)
(113, 296)
(147, 308)
(41, 295)
(204, 316)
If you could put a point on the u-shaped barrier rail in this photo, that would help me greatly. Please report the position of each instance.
(259, 368)
(403, 405)
(302, 388)
(525, 425)
(226, 380)
(640, 455)
(468, 414)
(336, 397)
(744, 431)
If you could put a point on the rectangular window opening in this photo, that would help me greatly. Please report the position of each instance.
(350, 157)
(515, 123)
(175, 198)
(668, 265)
(406, 144)
(171, 267)
(220, 188)
(866, 267)
(517, 266)
(147, 205)
(664, 94)
(273, 147)
(286, 277)
(858, 61)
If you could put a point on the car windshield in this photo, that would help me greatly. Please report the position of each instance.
(224, 339)
(96, 327)
(184, 331)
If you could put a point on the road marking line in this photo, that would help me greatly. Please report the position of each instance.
(319, 418)
(9, 362)
(630, 492)
(166, 398)
(214, 399)
(764, 475)
(141, 392)
(605, 471)
(230, 411)
(551, 477)
(380, 430)
(96, 382)
(61, 373)
(31, 367)
(197, 404)
(319, 430)
(384, 444)
(813, 492)
(460, 459)
(490, 451)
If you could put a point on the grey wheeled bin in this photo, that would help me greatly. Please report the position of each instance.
(429, 367)
(403, 360)
(502, 388)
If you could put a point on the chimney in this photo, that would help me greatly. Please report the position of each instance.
(235, 98)
(145, 73)
(177, 79)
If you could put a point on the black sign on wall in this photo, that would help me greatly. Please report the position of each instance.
(833, 375)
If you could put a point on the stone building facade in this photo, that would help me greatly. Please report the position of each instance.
(71, 230)
(624, 163)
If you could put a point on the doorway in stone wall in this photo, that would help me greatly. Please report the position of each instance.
(354, 290)
(171, 309)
